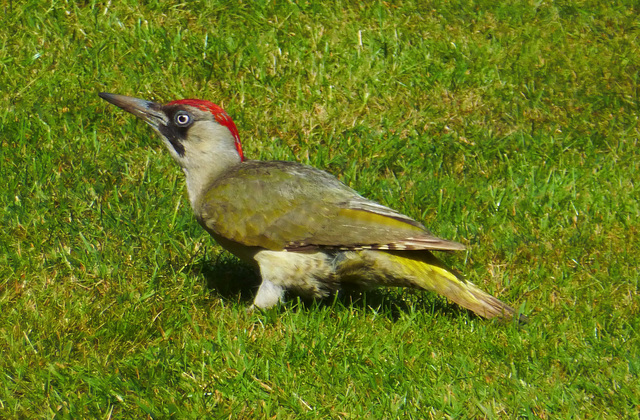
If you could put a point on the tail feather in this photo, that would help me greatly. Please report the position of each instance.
(427, 272)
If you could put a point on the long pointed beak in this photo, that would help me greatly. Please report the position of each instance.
(149, 112)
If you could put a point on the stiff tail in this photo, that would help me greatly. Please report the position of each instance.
(427, 272)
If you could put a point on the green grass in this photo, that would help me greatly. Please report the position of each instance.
(509, 126)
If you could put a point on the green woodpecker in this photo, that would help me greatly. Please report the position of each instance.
(306, 231)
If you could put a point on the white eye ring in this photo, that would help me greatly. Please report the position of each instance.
(182, 119)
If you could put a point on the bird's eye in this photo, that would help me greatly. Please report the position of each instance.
(182, 119)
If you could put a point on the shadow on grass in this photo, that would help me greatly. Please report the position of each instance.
(229, 278)
(236, 281)
(392, 303)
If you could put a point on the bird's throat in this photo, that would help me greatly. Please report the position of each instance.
(200, 178)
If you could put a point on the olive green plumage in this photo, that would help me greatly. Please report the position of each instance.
(306, 231)
(297, 208)
(286, 205)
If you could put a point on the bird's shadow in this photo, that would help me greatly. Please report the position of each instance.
(233, 280)
(393, 303)
(229, 278)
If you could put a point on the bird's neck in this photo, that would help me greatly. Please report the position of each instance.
(200, 177)
(209, 154)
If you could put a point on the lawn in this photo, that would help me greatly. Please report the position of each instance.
(511, 127)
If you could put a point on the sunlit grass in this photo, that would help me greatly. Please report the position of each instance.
(511, 127)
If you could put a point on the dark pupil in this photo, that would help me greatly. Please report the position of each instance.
(183, 119)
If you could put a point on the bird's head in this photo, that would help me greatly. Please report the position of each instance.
(195, 131)
(200, 135)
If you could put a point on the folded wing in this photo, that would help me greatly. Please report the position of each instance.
(285, 205)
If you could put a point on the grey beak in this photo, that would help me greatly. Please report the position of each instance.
(149, 112)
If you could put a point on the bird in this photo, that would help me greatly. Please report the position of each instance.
(306, 232)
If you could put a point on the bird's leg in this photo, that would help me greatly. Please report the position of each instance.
(268, 295)
(271, 290)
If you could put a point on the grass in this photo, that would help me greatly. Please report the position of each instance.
(509, 126)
